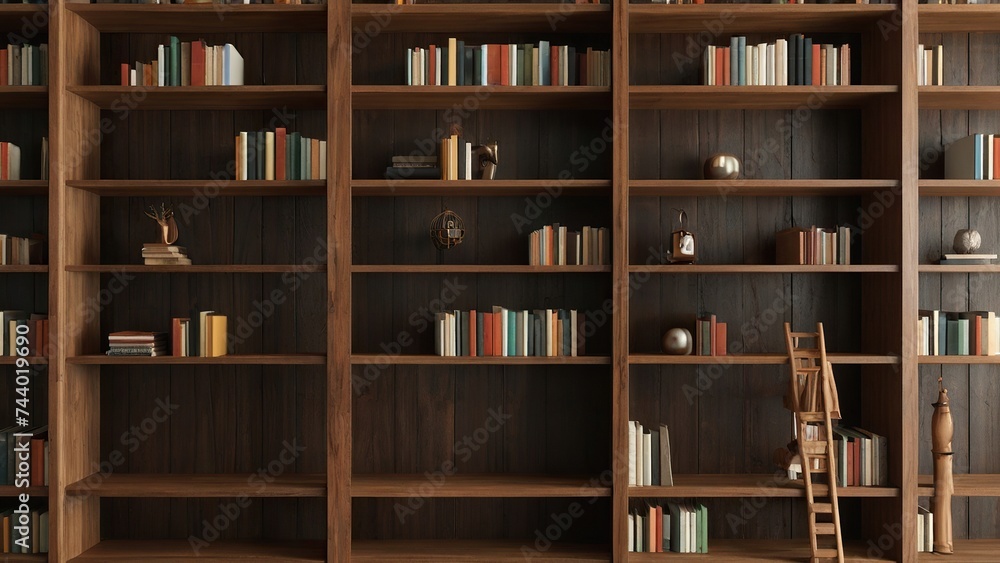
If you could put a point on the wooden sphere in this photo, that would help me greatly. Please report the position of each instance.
(678, 341)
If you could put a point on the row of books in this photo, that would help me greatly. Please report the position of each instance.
(187, 63)
(930, 65)
(203, 334)
(649, 456)
(813, 246)
(925, 530)
(33, 440)
(659, 528)
(10, 161)
(505, 332)
(32, 538)
(710, 336)
(26, 65)
(556, 245)
(22, 251)
(38, 332)
(976, 157)
(862, 457)
(970, 333)
(495, 64)
(279, 155)
(795, 61)
(455, 158)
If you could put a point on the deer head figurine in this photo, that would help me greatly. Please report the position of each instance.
(165, 219)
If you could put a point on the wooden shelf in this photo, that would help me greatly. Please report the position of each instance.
(204, 97)
(187, 188)
(234, 360)
(191, 485)
(494, 551)
(959, 269)
(32, 269)
(484, 97)
(493, 18)
(945, 18)
(202, 18)
(967, 360)
(13, 16)
(35, 360)
(364, 359)
(756, 359)
(755, 97)
(483, 485)
(24, 97)
(778, 188)
(966, 485)
(25, 558)
(763, 269)
(959, 97)
(755, 18)
(500, 188)
(475, 269)
(7, 491)
(733, 486)
(959, 188)
(757, 551)
(967, 551)
(198, 268)
(23, 187)
(220, 551)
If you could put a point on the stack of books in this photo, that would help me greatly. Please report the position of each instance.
(279, 155)
(795, 61)
(862, 457)
(159, 254)
(813, 246)
(930, 65)
(925, 530)
(414, 167)
(135, 343)
(676, 527)
(556, 245)
(207, 336)
(970, 333)
(22, 251)
(542, 332)
(968, 259)
(193, 63)
(38, 333)
(26, 65)
(36, 441)
(544, 64)
(649, 456)
(15, 540)
(710, 338)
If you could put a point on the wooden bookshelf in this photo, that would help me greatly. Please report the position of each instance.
(945, 18)
(490, 485)
(973, 551)
(225, 187)
(475, 269)
(26, 97)
(959, 188)
(7, 491)
(755, 97)
(763, 269)
(192, 485)
(493, 18)
(203, 97)
(959, 97)
(959, 360)
(32, 269)
(12, 16)
(11, 360)
(24, 187)
(959, 269)
(765, 188)
(499, 551)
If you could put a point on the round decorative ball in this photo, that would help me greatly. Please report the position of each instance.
(678, 341)
(967, 241)
(722, 166)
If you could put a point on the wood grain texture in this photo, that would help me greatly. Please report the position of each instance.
(484, 97)
(748, 485)
(754, 18)
(471, 550)
(757, 187)
(475, 269)
(194, 18)
(194, 485)
(482, 485)
(761, 269)
(972, 551)
(493, 18)
(198, 269)
(498, 187)
(952, 19)
(755, 97)
(188, 188)
(966, 485)
(204, 97)
(222, 551)
(959, 97)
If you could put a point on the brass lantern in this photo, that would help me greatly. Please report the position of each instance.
(447, 229)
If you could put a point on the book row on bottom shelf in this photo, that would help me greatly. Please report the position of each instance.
(680, 527)
(969, 333)
(18, 443)
(508, 333)
(22, 334)
(25, 529)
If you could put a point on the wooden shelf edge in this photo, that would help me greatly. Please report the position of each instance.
(757, 359)
(958, 97)
(204, 97)
(258, 359)
(755, 187)
(959, 360)
(762, 269)
(494, 551)
(396, 97)
(477, 485)
(217, 188)
(759, 551)
(966, 485)
(197, 268)
(946, 18)
(196, 485)
(745, 485)
(35, 269)
(220, 551)
(382, 359)
(34, 360)
(475, 269)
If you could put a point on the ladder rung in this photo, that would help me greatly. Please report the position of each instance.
(827, 554)
(810, 369)
(804, 334)
(824, 528)
(821, 508)
(814, 448)
(812, 416)
(810, 353)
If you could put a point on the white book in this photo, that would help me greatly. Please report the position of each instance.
(929, 531)
(762, 64)
(647, 460)
(437, 69)
(269, 155)
(631, 532)
(692, 529)
(921, 65)
(631, 445)
(994, 344)
(28, 52)
(770, 65)
(939, 66)
(920, 530)
(486, 57)
(468, 161)
(781, 52)
(232, 66)
(161, 63)
(525, 318)
(573, 319)
(131, 77)
(639, 460)
(14, 154)
(512, 64)
(243, 156)
(409, 66)
(504, 345)
(685, 529)
(548, 333)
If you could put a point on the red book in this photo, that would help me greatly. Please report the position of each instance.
(37, 447)
(3, 67)
(493, 64)
(977, 335)
(432, 66)
(280, 134)
(198, 63)
(125, 73)
(720, 339)
(720, 65)
(712, 340)
(816, 64)
(487, 334)
(4, 162)
(472, 333)
(176, 337)
(554, 66)
(725, 66)
(996, 157)
(504, 65)
(497, 334)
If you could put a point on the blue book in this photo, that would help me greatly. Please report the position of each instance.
(545, 54)
(808, 72)
(979, 156)
(942, 333)
(734, 65)
(409, 67)
(743, 61)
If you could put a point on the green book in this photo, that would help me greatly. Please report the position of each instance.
(175, 62)
(958, 337)
(477, 76)
(702, 528)
(519, 72)
(295, 144)
(706, 337)
(511, 333)
(529, 63)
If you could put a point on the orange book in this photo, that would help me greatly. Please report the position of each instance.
(125, 72)
(497, 334)
(487, 334)
(816, 64)
(720, 66)
(472, 333)
(725, 66)
(280, 136)
(177, 337)
(554, 66)
(720, 339)
(824, 79)
(653, 526)
(314, 158)
(198, 63)
(432, 66)
(504, 65)
(493, 64)
(37, 447)
(147, 71)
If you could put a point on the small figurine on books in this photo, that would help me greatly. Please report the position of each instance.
(164, 253)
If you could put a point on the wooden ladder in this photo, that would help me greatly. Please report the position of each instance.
(813, 398)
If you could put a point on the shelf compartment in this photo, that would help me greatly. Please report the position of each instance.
(959, 269)
(24, 187)
(763, 269)
(480, 485)
(758, 551)
(966, 485)
(967, 551)
(204, 97)
(26, 97)
(485, 97)
(187, 188)
(946, 18)
(757, 359)
(959, 97)
(36, 360)
(197, 268)
(233, 360)
(13, 16)
(754, 97)
(755, 18)
(191, 485)
(8, 491)
(489, 18)
(475, 269)
(202, 18)
(959, 360)
(32, 269)
(494, 551)
(747, 485)
(767, 188)
(474, 188)
(959, 188)
(415, 360)
(221, 551)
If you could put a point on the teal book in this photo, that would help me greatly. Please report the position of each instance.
(477, 66)
(175, 61)
(742, 60)
(958, 336)
(702, 528)
(544, 56)
(511, 333)
(459, 62)
(519, 68)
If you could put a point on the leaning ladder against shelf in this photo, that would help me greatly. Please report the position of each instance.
(812, 396)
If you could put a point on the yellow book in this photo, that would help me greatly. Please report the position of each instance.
(453, 158)
(217, 329)
(452, 66)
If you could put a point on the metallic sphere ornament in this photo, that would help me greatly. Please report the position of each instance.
(722, 166)
(447, 229)
(678, 341)
(967, 241)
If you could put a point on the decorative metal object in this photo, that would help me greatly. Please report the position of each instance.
(678, 341)
(942, 432)
(447, 229)
(488, 157)
(164, 217)
(722, 166)
(967, 241)
(682, 249)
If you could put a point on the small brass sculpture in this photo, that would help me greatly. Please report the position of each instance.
(165, 219)
(488, 157)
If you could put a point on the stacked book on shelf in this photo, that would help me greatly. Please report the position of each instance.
(37, 333)
(862, 457)
(710, 337)
(649, 456)
(495, 64)
(976, 157)
(970, 333)
(26, 65)
(795, 61)
(187, 63)
(556, 245)
(279, 155)
(967, 259)
(22, 251)
(414, 167)
(509, 333)
(136, 343)
(206, 336)
(159, 254)
(668, 527)
(10, 161)
(925, 530)
(16, 439)
(813, 246)
(930, 65)
(29, 538)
